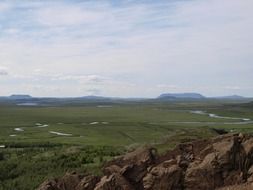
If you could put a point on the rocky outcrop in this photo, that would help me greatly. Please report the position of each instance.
(222, 163)
(114, 181)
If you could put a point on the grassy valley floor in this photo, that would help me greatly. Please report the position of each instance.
(43, 142)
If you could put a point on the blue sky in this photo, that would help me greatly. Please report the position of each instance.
(126, 48)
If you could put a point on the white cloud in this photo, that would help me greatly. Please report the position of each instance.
(3, 71)
(129, 49)
(167, 86)
(93, 91)
(11, 31)
(233, 87)
(81, 78)
(4, 6)
(66, 15)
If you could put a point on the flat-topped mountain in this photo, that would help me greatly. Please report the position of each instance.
(181, 95)
(20, 96)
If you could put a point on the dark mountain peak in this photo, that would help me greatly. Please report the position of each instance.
(20, 96)
(232, 97)
(181, 95)
(92, 97)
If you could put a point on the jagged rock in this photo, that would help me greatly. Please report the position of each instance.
(88, 183)
(114, 182)
(233, 178)
(49, 185)
(67, 182)
(161, 177)
(248, 148)
(210, 172)
(246, 186)
(111, 169)
(142, 155)
(201, 174)
(221, 163)
(250, 174)
(133, 166)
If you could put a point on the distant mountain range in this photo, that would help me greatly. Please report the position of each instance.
(233, 97)
(162, 96)
(28, 97)
(24, 99)
(197, 96)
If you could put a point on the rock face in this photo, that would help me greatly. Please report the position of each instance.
(221, 163)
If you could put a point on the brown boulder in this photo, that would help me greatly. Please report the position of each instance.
(161, 177)
(67, 182)
(49, 185)
(132, 166)
(202, 175)
(111, 169)
(224, 163)
(246, 186)
(114, 182)
(88, 183)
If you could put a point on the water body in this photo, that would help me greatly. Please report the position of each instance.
(19, 129)
(94, 123)
(28, 104)
(60, 134)
(211, 123)
(217, 116)
(41, 125)
(240, 121)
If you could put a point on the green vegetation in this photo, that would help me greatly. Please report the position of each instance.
(25, 168)
(45, 142)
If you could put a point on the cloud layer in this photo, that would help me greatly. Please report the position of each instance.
(129, 48)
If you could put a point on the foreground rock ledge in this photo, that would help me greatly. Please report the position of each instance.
(222, 163)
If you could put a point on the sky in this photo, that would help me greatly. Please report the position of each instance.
(126, 48)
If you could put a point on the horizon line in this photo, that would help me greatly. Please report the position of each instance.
(122, 97)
